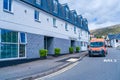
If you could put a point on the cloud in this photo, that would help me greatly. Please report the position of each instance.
(98, 12)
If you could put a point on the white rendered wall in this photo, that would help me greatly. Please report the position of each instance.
(21, 21)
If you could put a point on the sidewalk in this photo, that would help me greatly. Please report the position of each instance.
(38, 68)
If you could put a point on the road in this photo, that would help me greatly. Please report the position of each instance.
(92, 68)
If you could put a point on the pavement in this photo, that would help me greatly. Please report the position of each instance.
(39, 68)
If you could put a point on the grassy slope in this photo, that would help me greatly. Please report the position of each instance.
(104, 31)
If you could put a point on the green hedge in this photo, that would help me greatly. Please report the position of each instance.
(77, 49)
(57, 51)
(71, 49)
(43, 52)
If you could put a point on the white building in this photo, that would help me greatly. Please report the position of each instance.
(26, 26)
(113, 40)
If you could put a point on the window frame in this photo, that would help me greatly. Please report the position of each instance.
(66, 26)
(75, 29)
(17, 56)
(9, 6)
(54, 22)
(67, 13)
(55, 6)
(37, 16)
(38, 2)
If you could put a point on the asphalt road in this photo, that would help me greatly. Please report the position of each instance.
(92, 68)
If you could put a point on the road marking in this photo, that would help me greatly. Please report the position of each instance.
(72, 59)
(58, 72)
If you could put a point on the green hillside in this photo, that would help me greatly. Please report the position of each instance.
(104, 31)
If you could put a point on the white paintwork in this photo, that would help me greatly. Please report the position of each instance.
(21, 21)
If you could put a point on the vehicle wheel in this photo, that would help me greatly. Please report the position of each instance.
(90, 55)
(103, 54)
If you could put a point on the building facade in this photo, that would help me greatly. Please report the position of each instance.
(113, 40)
(26, 26)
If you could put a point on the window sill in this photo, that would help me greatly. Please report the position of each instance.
(7, 11)
(37, 21)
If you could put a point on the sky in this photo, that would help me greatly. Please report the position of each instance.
(99, 13)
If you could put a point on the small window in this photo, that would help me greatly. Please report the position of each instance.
(36, 15)
(54, 22)
(22, 38)
(66, 26)
(38, 2)
(67, 13)
(55, 6)
(7, 5)
(75, 29)
(75, 16)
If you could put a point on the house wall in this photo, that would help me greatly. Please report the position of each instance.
(22, 19)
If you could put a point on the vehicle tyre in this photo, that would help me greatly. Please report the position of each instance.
(90, 55)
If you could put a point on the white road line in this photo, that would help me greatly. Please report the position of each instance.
(58, 72)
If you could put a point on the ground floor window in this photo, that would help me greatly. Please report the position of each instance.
(12, 44)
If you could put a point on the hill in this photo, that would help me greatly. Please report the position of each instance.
(107, 30)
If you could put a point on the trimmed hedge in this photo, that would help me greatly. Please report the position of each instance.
(77, 49)
(57, 51)
(43, 52)
(71, 50)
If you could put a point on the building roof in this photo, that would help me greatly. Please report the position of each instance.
(114, 36)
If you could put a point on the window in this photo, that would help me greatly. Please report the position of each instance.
(55, 8)
(36, 15)
(66, 26)
(54, 22)
(38, 2)
(75, 29)
(7, 5)
(81, 22)
(75, 18)
(67, 13)
(12, 45)
(22, 44)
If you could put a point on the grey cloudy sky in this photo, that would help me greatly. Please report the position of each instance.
(100, 13)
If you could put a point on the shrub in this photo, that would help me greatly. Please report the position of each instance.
(57, 51)
(77, 49)
(71, 49)
(43, 52)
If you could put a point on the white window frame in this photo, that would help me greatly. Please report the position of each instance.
(38, 2)
(18, 44)
(66, 26)
(54, 22)
(55, 8)
(8, 10)
(67, 13)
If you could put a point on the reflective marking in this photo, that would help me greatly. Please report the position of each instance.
(72, 60)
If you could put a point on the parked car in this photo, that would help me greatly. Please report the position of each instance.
(97, 47)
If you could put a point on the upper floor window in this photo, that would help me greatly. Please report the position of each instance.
(38, 2)
(81, 22)
(75, 16)
(66, 26)
(36, 15)
(54, 22)
(75, 29)
(7, 5)
(67, 13)
(55, 8)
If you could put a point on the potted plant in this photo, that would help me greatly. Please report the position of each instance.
(43, 53)
(57, 51)
(77, 49)
(71, 49)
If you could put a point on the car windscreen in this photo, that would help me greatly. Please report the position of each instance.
(96, 44)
